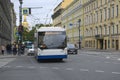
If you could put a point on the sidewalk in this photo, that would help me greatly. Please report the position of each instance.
(5, 59)
(99, 51)
(7, 56)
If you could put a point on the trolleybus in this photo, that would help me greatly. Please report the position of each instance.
(50, 43)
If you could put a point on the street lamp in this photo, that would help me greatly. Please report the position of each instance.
(20, 22)
(79, 20)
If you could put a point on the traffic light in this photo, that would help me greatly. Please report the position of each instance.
(29, 10)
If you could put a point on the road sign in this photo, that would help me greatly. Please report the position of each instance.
(25, 11)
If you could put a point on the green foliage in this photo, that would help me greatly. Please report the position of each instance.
(29, 35)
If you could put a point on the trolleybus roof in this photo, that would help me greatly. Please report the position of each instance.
(42, 29)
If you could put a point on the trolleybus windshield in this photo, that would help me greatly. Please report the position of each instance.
(52, 40)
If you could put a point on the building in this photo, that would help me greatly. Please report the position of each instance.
(70, 20)
(100, 23)
(13, 24)
(58, 11)
(25, 23)
(7, 19)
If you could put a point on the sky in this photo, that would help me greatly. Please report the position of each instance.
(39, 15)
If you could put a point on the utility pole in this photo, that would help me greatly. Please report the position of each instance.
(79, 21)
(20, 28)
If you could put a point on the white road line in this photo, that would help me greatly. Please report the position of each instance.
(108, 57)
(97, 61)
(84, 70)
(55, 68)
(116, 73)
(43, 67)
(116, 63)
(19, 66)
(107, 62)
(6, 66)
(118, 59)
(31, 67)
(100, 71)
(69, 69)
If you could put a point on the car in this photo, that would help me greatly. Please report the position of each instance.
(72, 49)
(30, 51)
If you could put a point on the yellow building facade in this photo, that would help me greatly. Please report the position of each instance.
(100, 23)
(70, 20)
(58, 11)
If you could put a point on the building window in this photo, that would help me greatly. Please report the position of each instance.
(101, 16)
(105, 14)
(112, 43)
(117, 10)
(113, 29)
(113, 12)
(117, 29)
(105, 1)
(105, 30)
(108, 13)
(101, 2)
(108, 43)
(96, 16)
(97, 30)
(109, 30)
(101, 30)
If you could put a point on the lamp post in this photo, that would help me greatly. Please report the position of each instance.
(79, 33)
(20, 28)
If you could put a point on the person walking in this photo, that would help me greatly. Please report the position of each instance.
(14, 49)
(2, 49)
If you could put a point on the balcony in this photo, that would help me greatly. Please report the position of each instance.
(58, 13)
(98, 36)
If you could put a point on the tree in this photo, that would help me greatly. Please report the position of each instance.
(29, 35)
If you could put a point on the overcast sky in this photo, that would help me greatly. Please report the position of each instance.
(40, 15)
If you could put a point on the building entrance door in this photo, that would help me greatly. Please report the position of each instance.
(105, 44)
(117, 44)
(101, 43)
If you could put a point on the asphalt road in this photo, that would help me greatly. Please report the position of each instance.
(83, 66)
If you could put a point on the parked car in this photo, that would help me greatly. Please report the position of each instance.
(30, 51)
(72, 49)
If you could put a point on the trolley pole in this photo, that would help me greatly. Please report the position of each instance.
(79, 33)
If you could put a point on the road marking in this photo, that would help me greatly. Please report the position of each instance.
(100, 71)
(97, 61)
(107, 62)
(108, 57)
(118, 59)
(43, 67)
(55, 68)
(116, 73)
(84, 70)
(6, 66)
(69, 69)
(31, 67)
(19, 66)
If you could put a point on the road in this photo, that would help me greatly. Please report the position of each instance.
(87, 65)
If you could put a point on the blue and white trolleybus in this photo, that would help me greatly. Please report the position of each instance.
(50, 43)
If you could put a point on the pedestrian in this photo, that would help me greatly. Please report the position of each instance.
(22, 49)
(7, 48)
(2, 49)
(14, 49)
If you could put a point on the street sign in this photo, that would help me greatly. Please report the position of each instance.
(25, 11)
(71, 24)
